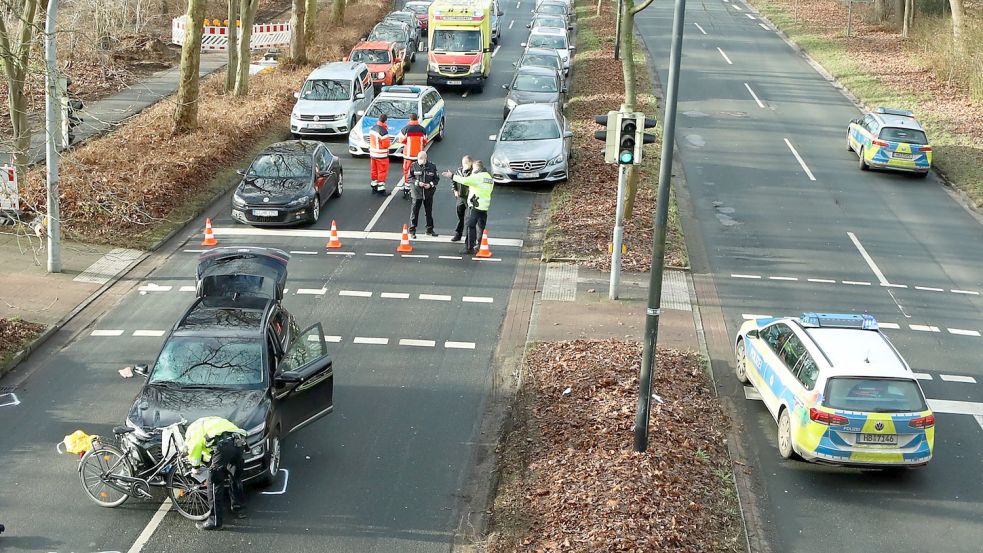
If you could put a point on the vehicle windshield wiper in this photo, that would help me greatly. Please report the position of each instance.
(204, 387)
(165, 383)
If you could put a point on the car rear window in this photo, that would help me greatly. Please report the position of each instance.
(874, 395)
(908, 136)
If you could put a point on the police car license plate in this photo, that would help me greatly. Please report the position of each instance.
(527, 175)
(896, 155)
(265, 212)
(451, 83)
(317, 125)
(878, 439)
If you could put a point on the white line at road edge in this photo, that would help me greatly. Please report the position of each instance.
(763, 26)
(151, 527)
(725, 56)
(753, 95)
(799, 158)
(870, 261)
(700, 28)
(106, 333)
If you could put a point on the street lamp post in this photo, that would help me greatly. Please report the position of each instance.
(52, 105)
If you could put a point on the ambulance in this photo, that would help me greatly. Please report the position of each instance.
(459, 43)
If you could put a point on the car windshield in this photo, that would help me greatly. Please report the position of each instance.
(407, 18)
(394, 109)
(877, 395)
(535, 83)
(551, 9)
(371, 56)
(908, 136)
(447, 40)
(326, 90)
(220, 362)
(417, 8)
(558, 42)
(286, 165)
(536, 129)
(549, 21)
(388, 34)
(540, 60)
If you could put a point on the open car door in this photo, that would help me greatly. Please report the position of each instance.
(305, 380)
(253, 272)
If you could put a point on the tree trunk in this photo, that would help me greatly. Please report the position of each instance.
(909, 15)
(310, 22)
(898, 18)
(247, 14)
(186, 112)
(298, 47)
(627, 52)
(958, 25)
(880, 10)
(338, 12)
(232, 69)
(14, 57)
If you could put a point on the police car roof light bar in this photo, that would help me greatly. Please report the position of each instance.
(839, 320)
(894, 111)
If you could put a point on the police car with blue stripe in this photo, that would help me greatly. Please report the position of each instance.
(398, 103)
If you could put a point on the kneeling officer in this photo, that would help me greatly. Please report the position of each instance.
(220, 443)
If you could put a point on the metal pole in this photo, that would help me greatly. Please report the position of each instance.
(617, 32)
(51, 105)
(619, 233)
(849, 17)
(659, 240)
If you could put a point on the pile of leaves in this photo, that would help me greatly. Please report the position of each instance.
(571, 480)
(582, 219)
(15, 334)
(118, 186)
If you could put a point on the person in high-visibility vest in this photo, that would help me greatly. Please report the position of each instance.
(480, 186)
(221, 444)
(413, 137)
(379, 142)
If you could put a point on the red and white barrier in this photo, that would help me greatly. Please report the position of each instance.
(216, 37)
(9, 193)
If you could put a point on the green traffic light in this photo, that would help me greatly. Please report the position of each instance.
(626, 157)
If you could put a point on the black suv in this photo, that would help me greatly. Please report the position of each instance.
(238, 354)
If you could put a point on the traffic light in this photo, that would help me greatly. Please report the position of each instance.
(624, 136)
(610, 122)
(627, 137)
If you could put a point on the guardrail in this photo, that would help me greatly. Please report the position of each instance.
(216, 34)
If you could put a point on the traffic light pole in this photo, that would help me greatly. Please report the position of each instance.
(659, 240)
(619, 233)
(51, 107)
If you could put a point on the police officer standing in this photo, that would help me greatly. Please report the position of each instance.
(423, 177)
(461, 194)
(220, 443)
(480, 185)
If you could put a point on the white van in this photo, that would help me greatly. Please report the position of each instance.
(331, 97)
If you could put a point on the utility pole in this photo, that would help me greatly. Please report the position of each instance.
(617, 241)
(52, 105)
(659, 240)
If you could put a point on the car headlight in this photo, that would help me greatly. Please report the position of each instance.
(300, 202)
(238, 201)
(500, 162)
(295, 114)
(433, 67)
(557, 160)
(380, 75)
(476, 68)
(510, 103)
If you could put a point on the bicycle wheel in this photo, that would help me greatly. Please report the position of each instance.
(189, 496)
(98, 465)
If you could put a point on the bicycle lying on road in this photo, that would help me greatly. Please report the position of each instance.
(111, 474)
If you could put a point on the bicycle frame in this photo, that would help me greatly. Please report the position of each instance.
(171, 445)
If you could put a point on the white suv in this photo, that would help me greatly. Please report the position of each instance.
(330, 99)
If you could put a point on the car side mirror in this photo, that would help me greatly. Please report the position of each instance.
(360, 112)
(567, 134)
(492, 137)
(529, 25)
(752, 333)
(285, 378)
(360, 96)
(505, 87)
(297, 95)
(563, 89)
(523, 44)
(857, 121)
(571, 47)
(241, 172)
(142, 370)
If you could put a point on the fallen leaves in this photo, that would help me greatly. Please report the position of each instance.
(17, 333)
(571, 480)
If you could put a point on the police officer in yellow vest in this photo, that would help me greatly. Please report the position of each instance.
(480, 185)
(219, 443)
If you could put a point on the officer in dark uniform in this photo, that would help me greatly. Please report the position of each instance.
(423, 176)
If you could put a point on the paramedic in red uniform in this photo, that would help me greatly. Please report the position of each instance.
(413, 137)
(379, 142)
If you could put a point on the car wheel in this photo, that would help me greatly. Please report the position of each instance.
(785, 448)
(272, 464)
(923, 175)
(341, 184)
(413, 58)
(849, 147)
(863, 162)
(440, 131)
(741, 369)
(351, 124)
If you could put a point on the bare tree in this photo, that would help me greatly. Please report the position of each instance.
(338, 12)
(880, 10)
(627, 52)
(898, 20)
(909, 15)
(310, 22)
(298, 46)
(15, 50)
(232, 69)
(958, 25)
(186, 112)
(247, 14)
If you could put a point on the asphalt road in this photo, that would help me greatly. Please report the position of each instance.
(770, 235)
(388, 470)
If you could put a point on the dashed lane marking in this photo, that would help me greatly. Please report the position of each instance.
(736, 7)
(763, 26)
(856, 282)
(929, 289)
(187, 289)
(449, 257)
(485, 259)
(745, 276)
(969, 292)
(753, 316)
(477, 299)
(511, 23)
(150, 528)
(312, 291)
(749, 16)
(148, 333)
(416, 255)
(958, 378)
(417, 343)
(373, 254)
(725, 56)
(798, 158)
(783, 278)
(924, 328)
(700, 28)
(332, 339)
(151, 287)
(355, 293)
(922, 376)
(465, 93)
(964, 332)
(979, 420)
(106, 333)
(889, 285)
(303, 252)
(497, 48)
(894, 326)
(755, 96)
(329, 252)
(459, 345)
(393, 237)
(371, 341)
(822, 280)
(435, 297)
(956, 407)
(395, 295)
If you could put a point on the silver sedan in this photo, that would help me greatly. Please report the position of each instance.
(532, 146)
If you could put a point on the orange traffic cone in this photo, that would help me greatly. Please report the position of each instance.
(404, 242)
(333, 242)
(209, 235)
(484, 251)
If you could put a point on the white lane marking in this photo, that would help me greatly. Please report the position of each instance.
(417, 255)
(970, 292)
(465, 93)
(459, 345)
(749, 16)
(929, 289)
(752, 316)
(782, 278)
(373, 341)
(485, 259)
(889, 285)
(312, 291)
(395, 295)
(744, 276)
(149, 333)
(332, 339)
(151, 287)
(338, 253)
(517, 5)
(382, 208)
(700, 28)
(435, 297)
(979, 420)
(895, 326)
(924, 328)
(355, 293)
(106, 333)
(188, 289)
(922, 376)
(9, 400)
(372, 254)
(477, 299)
(150, 528)
(800, 160)
(763, 26)
(751, 393)
(195, 251)
(956, 407)
(511, 23)
(726, 1)
(725, 56)
(958, 378)
(354, 234)
(870, 261)
(286, 478)
(736, 7)
(418, 343)
(822, 280)
(303, 252)
(496, 50)
(753, 95)
(856, 282)
(964, 332)
(450, 257)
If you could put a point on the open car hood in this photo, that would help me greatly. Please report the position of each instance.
(250, 271)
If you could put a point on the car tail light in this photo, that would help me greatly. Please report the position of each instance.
(881, 143)
(922, 422)
(925, 149)
(829, 419)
